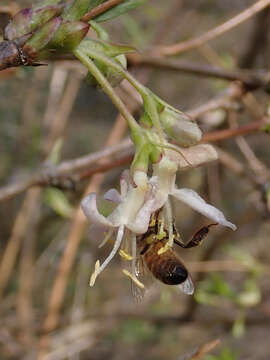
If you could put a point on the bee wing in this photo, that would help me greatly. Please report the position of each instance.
(187, 286)
(144, 276)
(138, 292)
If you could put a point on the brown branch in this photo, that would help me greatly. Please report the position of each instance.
(201, 350)
(217, 31)
(48, 175)
(250, 79)
(229, 133)
(100, 9)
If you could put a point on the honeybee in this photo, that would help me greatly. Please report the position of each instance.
(163, 263)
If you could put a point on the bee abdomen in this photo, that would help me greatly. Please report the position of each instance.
(167, 269)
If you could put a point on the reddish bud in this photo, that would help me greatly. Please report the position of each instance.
(19, 25)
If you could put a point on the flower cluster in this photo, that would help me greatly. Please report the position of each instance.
(136, 203)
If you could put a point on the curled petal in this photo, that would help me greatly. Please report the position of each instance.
(141, 221)
(151, 204)
(89, 206)
(192, 199)
(113, 195)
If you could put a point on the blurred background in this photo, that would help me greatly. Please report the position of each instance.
(50, 114)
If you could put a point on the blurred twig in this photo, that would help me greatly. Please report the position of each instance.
(250, 79)
(217, 31)
(53, 175)
(201, 350)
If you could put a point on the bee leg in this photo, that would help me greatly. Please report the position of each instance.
(196, 238)
(145, 249)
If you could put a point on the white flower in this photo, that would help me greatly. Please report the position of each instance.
(135, 206)
(165, 172)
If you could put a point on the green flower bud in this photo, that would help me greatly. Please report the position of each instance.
(69, 35)
(180, 128)
(42, 15)
(116, 52)
(28, 20)
(41, 39)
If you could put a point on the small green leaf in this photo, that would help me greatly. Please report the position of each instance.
(58, 201)
(76, 10)
(119, 10)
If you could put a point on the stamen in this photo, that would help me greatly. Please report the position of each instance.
(134, 254)
(125, 256)
(133, 278)
(107, 238)
(95, 273)
(168, 210)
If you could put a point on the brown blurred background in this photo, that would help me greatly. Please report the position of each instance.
(50, 114)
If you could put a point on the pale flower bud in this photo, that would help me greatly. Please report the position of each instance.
(180, 128)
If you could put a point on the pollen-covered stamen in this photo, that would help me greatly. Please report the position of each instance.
(133, 278)
(125, 255)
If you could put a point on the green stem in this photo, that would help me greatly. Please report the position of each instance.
(139, 87)
(109, 62)
(108, 89)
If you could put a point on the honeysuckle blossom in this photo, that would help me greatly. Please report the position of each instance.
(135, 204)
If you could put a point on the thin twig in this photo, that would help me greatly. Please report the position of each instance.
(217, 31)
(201, 350)
(250, 79)
(48, 175)
(229, 133)
(100, 9)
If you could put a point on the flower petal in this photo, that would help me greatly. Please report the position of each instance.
(89, 206)
(151, 203)
(124, 182)
(113, 195)
(192, 199)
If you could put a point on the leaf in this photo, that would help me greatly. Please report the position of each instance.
(95, 3)
(119, 10)
(57, 200)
